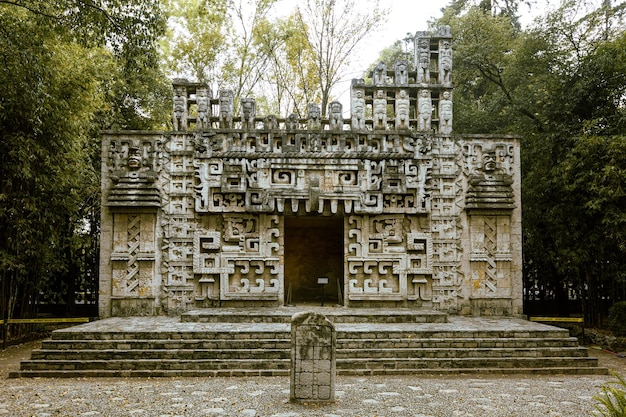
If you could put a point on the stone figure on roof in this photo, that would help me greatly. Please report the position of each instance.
(203, 101)
(425, 109)
(445, 62)
(380, 74)
(292, 121)
(335, 115)
(248, 113)
(180, 108)
(423, 60)
(445, 113)
(403, 105)
(270, 122)
(358, 109)
(226, 108)
(380, 110)
(314, 116)
(402, 73)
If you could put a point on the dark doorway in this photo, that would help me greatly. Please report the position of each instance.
(313, 249)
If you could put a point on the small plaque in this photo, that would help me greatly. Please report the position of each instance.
(322, 280)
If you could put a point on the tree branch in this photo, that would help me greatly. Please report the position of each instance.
(30, 9)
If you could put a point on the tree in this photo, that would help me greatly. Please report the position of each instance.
(334, 29)
(290, 74)
(484, 94)
(218, 42)
(247, 61)
(502, 8)
(573, 186)
(66, 67)
(242, 46)
(198, 35)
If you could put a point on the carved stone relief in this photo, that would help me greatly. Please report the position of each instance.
(491, 256)
(133, 255)
(195, 217)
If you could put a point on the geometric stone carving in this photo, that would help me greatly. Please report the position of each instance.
(202, 216)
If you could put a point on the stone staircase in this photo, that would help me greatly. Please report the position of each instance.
(235, 342)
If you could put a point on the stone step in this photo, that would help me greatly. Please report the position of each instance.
(391, 333)
(156, 364)
(131, 344)
(369, 334)
(229, 334)
(335, 315)
(285, 343)
(178, 354)
(165, 346)
(271, 354)
(367, 364)
(467, 343)
(148, 373)
(568, 370)
(455, 353)
(107, 373)
(156, 368)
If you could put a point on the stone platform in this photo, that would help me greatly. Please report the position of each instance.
(236, 342)
(334, 314)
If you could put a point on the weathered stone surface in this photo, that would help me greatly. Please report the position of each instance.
(313, 358)
(249, 210)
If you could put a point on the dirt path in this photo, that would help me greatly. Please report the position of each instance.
(11, 357)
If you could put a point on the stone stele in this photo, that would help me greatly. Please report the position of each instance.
(313, 359)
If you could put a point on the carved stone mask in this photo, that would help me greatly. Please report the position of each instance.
(134, 158)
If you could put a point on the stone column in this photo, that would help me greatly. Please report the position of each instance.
(313, 366)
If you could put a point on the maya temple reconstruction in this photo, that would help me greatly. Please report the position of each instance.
(387, 207)
(251, 245)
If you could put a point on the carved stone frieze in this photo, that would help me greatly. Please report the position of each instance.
(388, 207)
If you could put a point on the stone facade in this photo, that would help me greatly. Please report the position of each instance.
(246, 210)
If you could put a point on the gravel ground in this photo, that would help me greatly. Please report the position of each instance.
(432, 396)
(465, 396)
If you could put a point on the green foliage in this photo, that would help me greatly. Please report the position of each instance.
(561, 85)
(69, 69)
(612, 398)
(198, 36)
(617, 318)
(485, 96)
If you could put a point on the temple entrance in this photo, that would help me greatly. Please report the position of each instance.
(313, 249)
